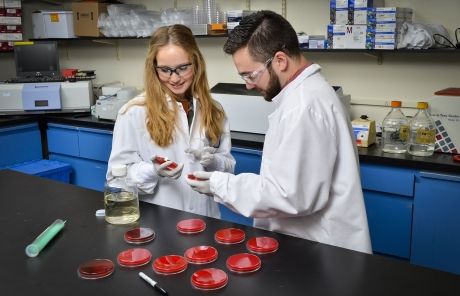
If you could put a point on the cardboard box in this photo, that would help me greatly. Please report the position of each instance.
(53, 24)
(85, 18)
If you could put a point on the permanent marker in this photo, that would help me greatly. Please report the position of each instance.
(153, 283)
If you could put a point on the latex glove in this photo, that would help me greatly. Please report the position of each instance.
(167, 168)
(199, 181)
(205, 156)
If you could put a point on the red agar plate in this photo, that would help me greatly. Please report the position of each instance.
(201, 254)
(229, 236)
(191, 226)
(139, 235)
(243, 263)
(192, 177)
(134, 257)
(161, 160)
(169, 264)
(209, 279)
(262, 245)
(96, 269)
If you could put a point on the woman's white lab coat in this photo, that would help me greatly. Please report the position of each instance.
(309, 184)
(132, 145)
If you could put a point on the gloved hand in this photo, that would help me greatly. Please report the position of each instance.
(205, 156)
(167, 168)
(199, 181)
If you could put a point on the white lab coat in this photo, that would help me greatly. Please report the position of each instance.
(132, 145)
(309, 184)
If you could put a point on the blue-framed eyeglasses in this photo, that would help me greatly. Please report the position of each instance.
(254, 76)
(167, 72)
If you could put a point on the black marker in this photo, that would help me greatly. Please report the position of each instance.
(153, 283)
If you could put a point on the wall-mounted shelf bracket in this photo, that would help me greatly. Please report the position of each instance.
(377, 55)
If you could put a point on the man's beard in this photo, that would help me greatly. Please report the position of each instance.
(274, 86)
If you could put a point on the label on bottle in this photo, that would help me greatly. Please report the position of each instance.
(425, 136)
(403, 132)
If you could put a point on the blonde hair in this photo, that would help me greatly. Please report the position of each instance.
(161, 120)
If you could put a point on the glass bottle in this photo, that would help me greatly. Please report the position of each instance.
(395, 130)
(121, 200)
(422, 132)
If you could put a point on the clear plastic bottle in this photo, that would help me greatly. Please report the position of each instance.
(422, 132)
(395, 130)
(121, 200)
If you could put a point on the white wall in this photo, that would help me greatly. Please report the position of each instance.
(408, 77)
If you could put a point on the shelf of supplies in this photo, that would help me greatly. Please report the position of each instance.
(374, 51)
(116, 38)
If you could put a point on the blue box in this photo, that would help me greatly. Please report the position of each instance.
(50, 169)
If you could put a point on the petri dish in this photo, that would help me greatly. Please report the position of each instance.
(229, 236)
(192, 177)
(243, 263)
(201, 254)
(191, 226)
(262, 245)
(96, 269)
(134, 257)
(139, 235)
(169, 264)
(209, 279)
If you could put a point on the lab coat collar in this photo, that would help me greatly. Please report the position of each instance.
(309, 71)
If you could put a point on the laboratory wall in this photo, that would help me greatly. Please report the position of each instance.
(372, 81)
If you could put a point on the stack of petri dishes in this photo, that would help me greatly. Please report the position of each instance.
(134, 257)
(209, 279)
(262, 245)
(201, 254)
(191, 226)
(243, 263)
(169, 264)
(229, 236)
(96, 269)
(139, 235)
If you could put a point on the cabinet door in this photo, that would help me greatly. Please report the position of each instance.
(390, 223)
(86, 173)
(436, 231)
(95, 144)
(20, 143)
(247, 161)
(63, 139)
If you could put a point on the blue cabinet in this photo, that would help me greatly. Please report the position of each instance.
(388, 196)
(86, 149)
(247, 161)
(20, 143)
(436, 230)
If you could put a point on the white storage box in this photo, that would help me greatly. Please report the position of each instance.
(53, 24)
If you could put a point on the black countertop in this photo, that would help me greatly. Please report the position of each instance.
(299, 267)
(437, 162)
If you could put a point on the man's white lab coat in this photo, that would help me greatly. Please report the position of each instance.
(309, 184)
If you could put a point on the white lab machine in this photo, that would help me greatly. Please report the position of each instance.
(107, 106)
(30, 98)
(247, 111)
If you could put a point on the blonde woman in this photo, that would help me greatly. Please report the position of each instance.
(175, 119)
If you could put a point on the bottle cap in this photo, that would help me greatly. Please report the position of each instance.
(243, 263)
(96, 269)
(119, 170)
(190, 226)
(229, 236)
(262, 245)
(422, 105)
(201, 254)
(395, 104)
(169, 264)
(134, 257)
(139, 235)
(209, 279)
